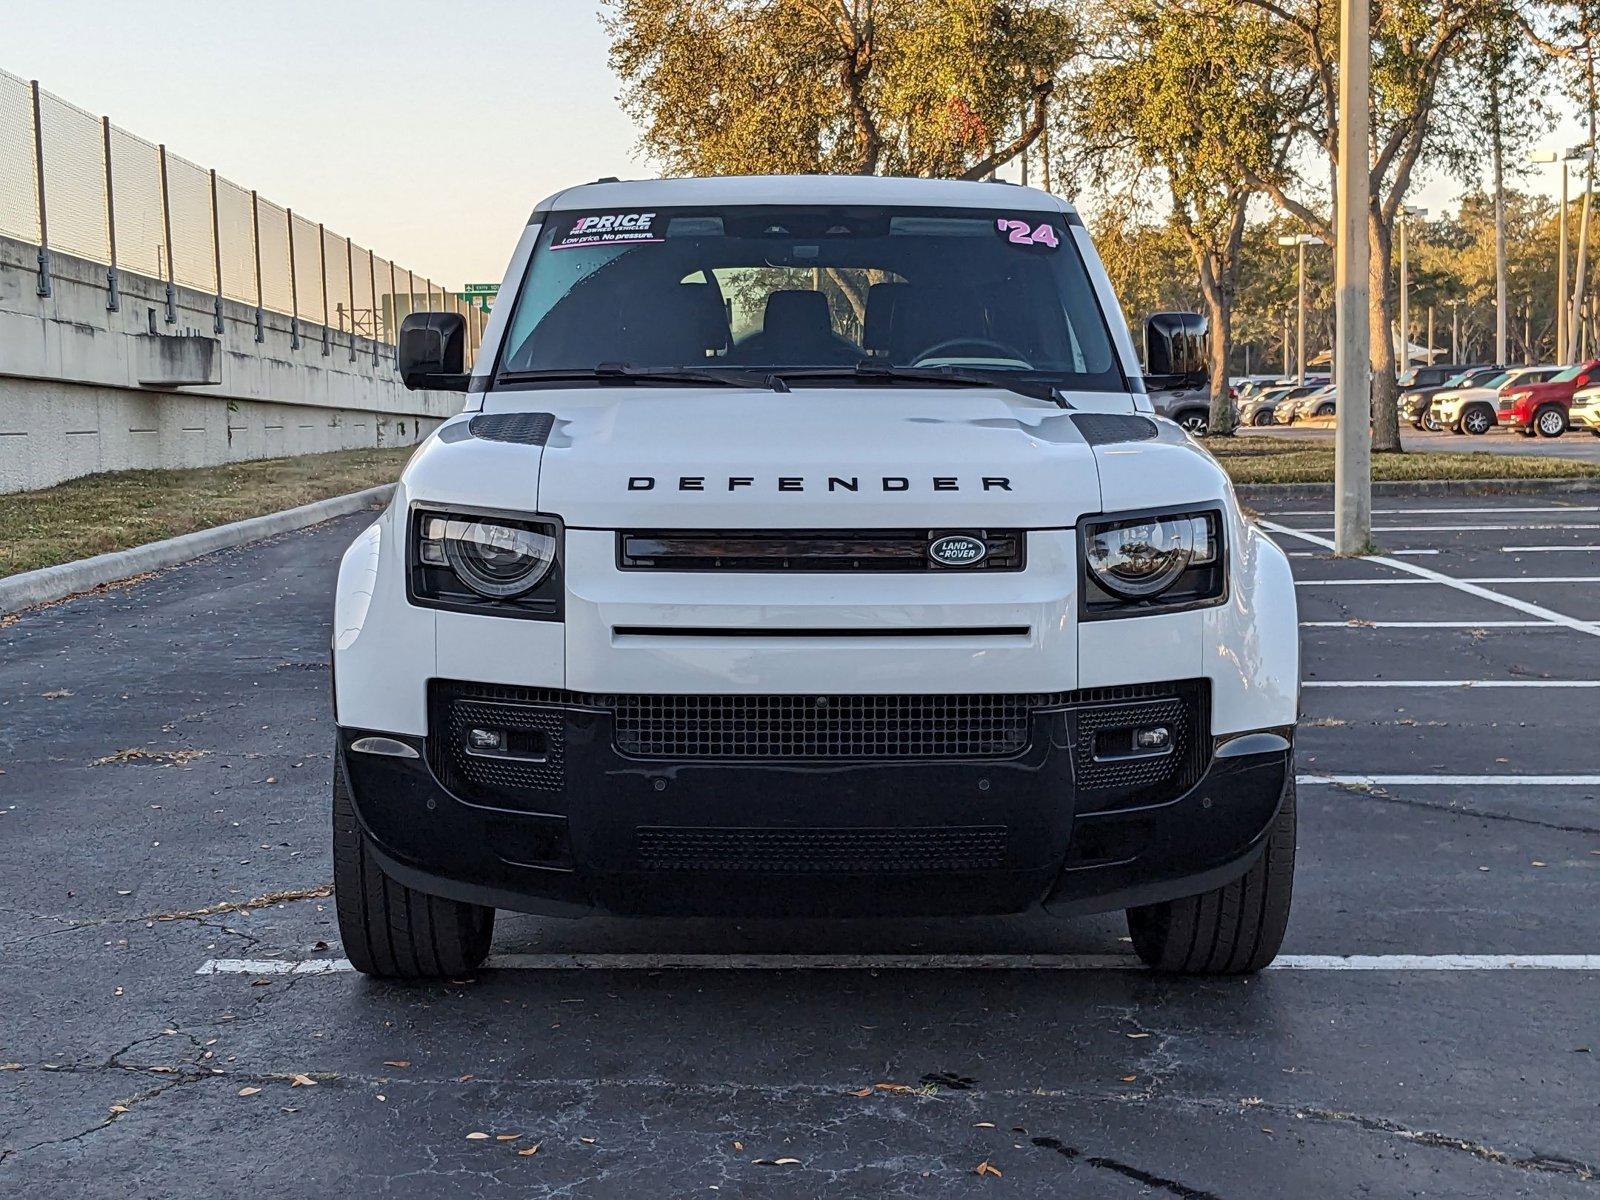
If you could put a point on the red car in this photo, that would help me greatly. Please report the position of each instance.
(1542, 407)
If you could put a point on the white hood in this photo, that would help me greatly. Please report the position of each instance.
(811, 458)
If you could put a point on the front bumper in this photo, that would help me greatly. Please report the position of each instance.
(607, 821)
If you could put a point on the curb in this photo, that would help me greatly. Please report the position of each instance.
(1422, 487)
(47, 584)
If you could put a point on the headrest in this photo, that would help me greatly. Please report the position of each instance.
(882, 302)
(798, 313)
(705, 312)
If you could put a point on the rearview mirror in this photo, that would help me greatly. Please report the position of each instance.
(1175, 344)
(432, 351)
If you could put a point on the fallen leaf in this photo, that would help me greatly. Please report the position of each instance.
(894, 1087)
(477, 1136)
(302, 1081)
(987, 1168)
(1537, 863)
(587, 1141)
(866, 1091)
(248, 1091)
(529, 1152)
(10, 1066)
(58, 694)
(787, 1162)
(1138, 1035)
(1129, 1078)
(396, 1062)
(984, 1125)
(506, 1137)
(119, 1108)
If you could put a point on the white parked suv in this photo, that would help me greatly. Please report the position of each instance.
(807, 546)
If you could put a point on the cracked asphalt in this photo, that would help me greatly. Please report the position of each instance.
(123, 1072)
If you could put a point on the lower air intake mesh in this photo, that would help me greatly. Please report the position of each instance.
(959, 848)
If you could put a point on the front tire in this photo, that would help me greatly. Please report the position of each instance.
(1477, 420)
(1195, 421)
(391, 930)
(1264, 418)
(1550, 421)
(1235, 929)
(1431, 423)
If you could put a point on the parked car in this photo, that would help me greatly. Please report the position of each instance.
(1256, 409)
(1476, 410)
(1585, 410)
(1541, 406)
(1283, 412)
(1321, 403)
(1428, 375)
(708, 602)
(1415, 403)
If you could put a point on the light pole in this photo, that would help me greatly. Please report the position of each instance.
(1585, 156)
(1300, 241)
(1550, 156)
(1455, 331)
(1407, 211)
(1352, 463)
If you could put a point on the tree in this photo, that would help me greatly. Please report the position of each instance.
(1167, 101)
(1416, 69)
(949, 88)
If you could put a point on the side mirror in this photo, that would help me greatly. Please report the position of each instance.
(433, 350)
(1175, 344)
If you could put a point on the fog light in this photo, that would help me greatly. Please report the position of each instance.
(1155, 737)
(488, 740)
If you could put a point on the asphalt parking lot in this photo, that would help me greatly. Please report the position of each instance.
(165, 756)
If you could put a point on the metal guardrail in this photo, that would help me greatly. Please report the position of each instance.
(74, 182)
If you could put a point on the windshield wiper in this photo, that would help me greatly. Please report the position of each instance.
(613, 372)
(871, 372)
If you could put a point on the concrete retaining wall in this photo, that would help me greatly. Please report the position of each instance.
(85, 389)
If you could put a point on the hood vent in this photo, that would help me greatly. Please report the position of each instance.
(524, 428)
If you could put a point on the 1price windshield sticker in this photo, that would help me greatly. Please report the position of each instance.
(605, 229)
(1026, 233)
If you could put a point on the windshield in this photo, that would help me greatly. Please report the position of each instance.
(1569, 374)
(1503, 377)
(768, 288)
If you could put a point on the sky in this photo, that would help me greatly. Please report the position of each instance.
(424, 131)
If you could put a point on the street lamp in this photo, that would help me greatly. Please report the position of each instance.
(1300, 241)
(1579, 154)
(1406, 213)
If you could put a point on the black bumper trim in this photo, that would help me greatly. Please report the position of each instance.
(584, 852)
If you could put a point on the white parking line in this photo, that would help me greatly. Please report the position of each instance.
(1543, 625)
(1450, 780)
(1449, 579)
(1451, 683)
(1411, 553)
(1462, 585)
(1454, 528)
(924, 962)
(1448, 512)
(1547, 549)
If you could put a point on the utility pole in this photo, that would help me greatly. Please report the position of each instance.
(1352, 468)
(1585, 155)
(1500, 313)
(1300, 241)
(1407, 211)
(1431, 354)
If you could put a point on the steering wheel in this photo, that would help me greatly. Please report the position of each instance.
(987, 348)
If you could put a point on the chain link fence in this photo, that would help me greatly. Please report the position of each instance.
(74, 182)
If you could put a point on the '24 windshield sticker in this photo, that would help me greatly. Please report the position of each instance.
(605, 229)
(1025, 233)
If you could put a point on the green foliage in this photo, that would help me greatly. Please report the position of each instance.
(894, 87)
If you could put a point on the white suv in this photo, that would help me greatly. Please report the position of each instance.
(808, 546)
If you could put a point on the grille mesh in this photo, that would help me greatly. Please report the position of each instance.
(822, 726)
(938, 848)
(836, 727)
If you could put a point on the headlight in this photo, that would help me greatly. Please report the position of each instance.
(500, 563)
(1160, 560)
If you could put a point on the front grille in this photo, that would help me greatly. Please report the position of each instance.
(810, 550)
(959, 848)
(832, 727)
(871, 727)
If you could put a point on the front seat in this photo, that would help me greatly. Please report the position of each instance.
(796, 330)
